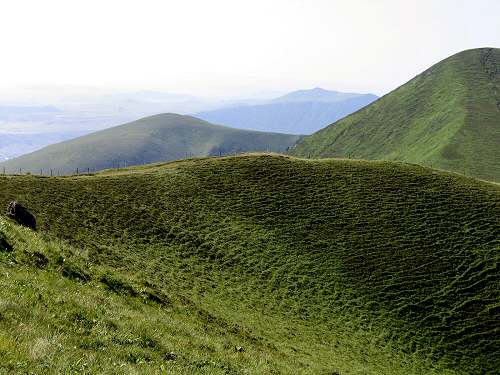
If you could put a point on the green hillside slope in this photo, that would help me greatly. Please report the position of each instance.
(313, 267)
(148, 140)
(447, 117)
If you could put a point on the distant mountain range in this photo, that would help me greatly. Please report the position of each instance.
(299, 112)
(319, 95)
(27, 127)
(152, 139)
(447, 117)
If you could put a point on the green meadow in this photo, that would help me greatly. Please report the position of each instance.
(254, 264)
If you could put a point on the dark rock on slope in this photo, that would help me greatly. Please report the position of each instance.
(21, 215)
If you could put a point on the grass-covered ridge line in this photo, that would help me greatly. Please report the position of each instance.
(447, 117)
(151, 139)
(367, 267)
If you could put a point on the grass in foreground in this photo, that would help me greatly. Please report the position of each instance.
(60, 315)
(311, 266)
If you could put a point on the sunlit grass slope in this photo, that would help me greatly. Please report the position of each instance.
(317, 267)
(151, 139)
(61, 313)
(447, 117)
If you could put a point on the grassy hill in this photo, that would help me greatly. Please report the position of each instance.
(299, 112)
(253, 264)
(148, 140)
(447, 117)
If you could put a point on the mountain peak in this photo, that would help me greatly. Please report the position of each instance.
(298, 112)
(446, 117)
(318, 94)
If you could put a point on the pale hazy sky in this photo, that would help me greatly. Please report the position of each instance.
(234, 47)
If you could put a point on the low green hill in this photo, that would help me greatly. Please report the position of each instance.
(156, 138)
(253, 264)
(447, 117)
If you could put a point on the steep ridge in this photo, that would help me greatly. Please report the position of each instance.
(151, 139)
(447, 117)
(382, 257)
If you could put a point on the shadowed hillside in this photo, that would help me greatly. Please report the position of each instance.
(314, 267)
(447, 117)
(148, 140)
